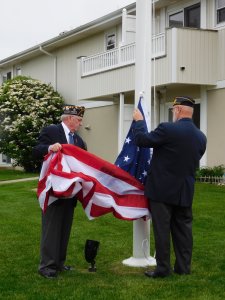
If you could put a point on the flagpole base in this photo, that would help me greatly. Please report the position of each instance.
(140, 262)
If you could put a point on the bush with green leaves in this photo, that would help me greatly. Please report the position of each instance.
(26, 106)
(216, 171)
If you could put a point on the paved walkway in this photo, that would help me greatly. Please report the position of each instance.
(18, 180)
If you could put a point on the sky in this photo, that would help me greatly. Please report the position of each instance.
(26, 23)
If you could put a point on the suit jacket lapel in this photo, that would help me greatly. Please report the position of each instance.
(62, 135)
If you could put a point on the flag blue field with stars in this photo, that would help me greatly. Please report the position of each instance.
(133, 159)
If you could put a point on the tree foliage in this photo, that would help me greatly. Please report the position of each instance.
(26, 106)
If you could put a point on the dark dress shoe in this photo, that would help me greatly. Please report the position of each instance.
(181, 273)
(48, 273)
(154, 274)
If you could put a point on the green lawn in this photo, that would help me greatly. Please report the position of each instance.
(8, 174)
(19, 253)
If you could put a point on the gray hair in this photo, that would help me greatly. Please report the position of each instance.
(64, 117)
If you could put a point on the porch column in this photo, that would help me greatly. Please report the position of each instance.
(203, 120)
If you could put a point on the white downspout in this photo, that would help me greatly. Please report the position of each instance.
(121, 122)
(55, 65)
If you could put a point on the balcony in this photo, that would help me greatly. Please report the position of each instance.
(119, 57)
(184, 56)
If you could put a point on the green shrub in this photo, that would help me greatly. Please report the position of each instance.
(216, 171)
(26, 106)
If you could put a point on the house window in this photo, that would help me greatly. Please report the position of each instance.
(220, 11)
(18, 71)
(110, 41)
(7, 76)
(6, 159)
(4, 77)
(176, 20)
(188, 17)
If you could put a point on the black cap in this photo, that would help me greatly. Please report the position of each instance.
(73, 110)
(183, 100)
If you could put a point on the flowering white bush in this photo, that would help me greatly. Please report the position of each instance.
(26, 106)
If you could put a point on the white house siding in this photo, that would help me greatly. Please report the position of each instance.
(216, 126)
(102, 137)
(41, 67)
(177, 90)
(221, 56)
(106, 83)
(197, 52)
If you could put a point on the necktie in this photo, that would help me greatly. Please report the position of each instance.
(71, 140)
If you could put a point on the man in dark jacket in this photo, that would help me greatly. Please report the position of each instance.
(177, 148)
(57, 220)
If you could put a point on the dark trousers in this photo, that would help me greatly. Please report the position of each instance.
(56, 227)
(175, 221)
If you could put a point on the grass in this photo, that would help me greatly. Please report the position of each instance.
(10, 174)
(19, 253)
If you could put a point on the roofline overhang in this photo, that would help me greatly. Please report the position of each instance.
(65, 38)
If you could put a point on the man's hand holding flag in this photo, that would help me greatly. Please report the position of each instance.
(100, 186)
(133, 159)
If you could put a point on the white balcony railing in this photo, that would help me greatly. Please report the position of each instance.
(158, 45)
(119, 57)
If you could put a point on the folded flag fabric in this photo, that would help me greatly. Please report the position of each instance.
(100, 186)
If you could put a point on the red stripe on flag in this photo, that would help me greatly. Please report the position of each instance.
(112, 191)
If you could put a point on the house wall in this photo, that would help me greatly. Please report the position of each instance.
(102, 138)
(107, 83)
(197, 52)
(216, 126)
(42, 67)
(221, 56)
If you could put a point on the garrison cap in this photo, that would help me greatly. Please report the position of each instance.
(73, 110)
(183, 100)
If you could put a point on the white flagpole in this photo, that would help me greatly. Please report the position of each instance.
(141, 229)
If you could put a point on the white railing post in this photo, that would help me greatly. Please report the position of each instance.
(124, 54)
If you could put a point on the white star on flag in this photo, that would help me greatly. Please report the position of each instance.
(135, 160)
(100, 186)
(126, 158)
(144, 173)
(128, 140)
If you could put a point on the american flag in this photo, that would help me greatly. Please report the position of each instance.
(133, 159)
(100, 186)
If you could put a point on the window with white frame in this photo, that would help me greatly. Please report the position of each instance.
(110, 41)
(6, 76)
(187, 17)
(18, 71)
(220, 11)
(6, 159)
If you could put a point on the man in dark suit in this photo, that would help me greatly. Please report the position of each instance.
(177, 148)
(57, 220)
